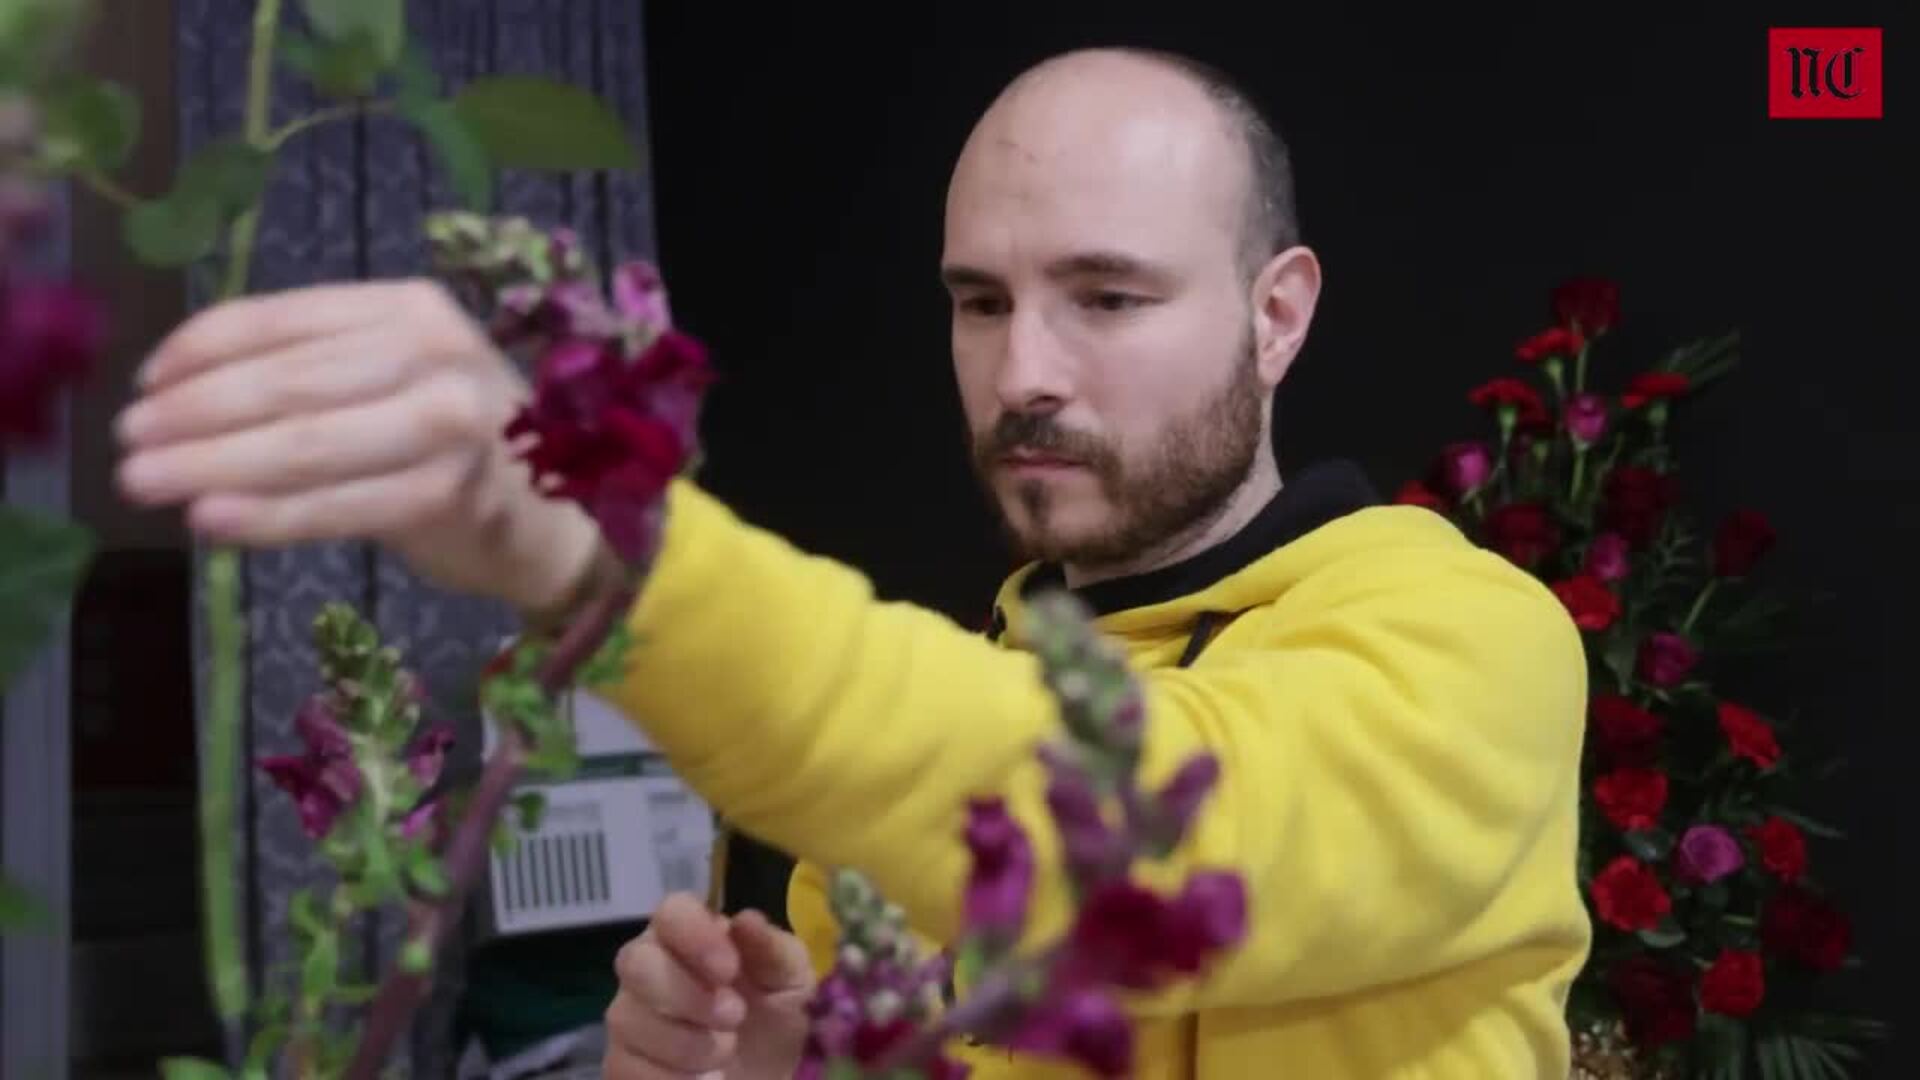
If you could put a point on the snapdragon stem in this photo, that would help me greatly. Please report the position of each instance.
(403, 991)
(226, 626)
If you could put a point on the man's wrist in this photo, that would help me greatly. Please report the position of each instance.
(603, 573)
(564, 562)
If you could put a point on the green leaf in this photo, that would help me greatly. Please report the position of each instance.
(180, 1068)
(320, 970)
(260, 1051)
(229, 173)
(427, 874)
(526, 122)
(459, 151)
(303, 915)
(532, 806)
(415, 83)
(348, 68)
(1664, 936)
(88, 123)
(356, 993)
(41, 561)
(415, 956)
(1810, 826)
(19, 910)
(383, 23)
(1650, 845)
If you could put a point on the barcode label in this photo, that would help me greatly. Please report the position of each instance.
(557, 870)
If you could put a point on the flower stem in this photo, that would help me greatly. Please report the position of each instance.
(278, 136)
(997, 992)
(1580, 368)
(107, 188)
(1579, 473)
(1699, 604)
(402, 991)
(227, 630)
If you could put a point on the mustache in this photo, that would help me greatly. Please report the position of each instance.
(1039, 434)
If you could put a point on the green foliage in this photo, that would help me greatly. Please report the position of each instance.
(381, 23)
(88, 124)
(182, 1068)
(525, 122)
(469, 172)
(19, 910)
(219, 182)
(41, 560)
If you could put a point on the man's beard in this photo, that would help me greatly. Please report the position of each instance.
(1183, 481)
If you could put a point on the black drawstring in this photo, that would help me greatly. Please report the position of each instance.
(1203, 627)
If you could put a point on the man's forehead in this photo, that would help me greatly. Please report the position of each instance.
(1072, 156)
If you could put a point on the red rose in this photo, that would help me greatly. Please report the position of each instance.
(1655, 998)
(1415, 493)
(1635, 502)
(1735, 984)
(1523, 532)
(1653, 386)
(1783, 848)
(1627, 733)
(1464, 466)
(1632, 798)
(1743, 537)
(1749, 736)
(1590, 305)
(1592, 605)
(1666, 659)
(1628, 896)
(1802, 927)
(1509, 393)
(1553, 341)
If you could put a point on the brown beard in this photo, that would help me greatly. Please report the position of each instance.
(1185, 479)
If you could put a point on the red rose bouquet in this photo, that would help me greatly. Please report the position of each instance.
(1711, 935)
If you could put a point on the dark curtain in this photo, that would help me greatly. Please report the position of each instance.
(346, 202)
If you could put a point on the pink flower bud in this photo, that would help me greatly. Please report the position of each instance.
(1707, 853)
(1666, 659)
(639, 296)
(1464, 466)
(1586, 418)
(1607, 557)
(1002, 877)
(1180, 800)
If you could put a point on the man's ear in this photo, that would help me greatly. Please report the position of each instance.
(1284, 296)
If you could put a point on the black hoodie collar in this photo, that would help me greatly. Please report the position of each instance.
(1315, 496)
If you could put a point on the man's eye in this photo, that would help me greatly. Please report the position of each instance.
(1110, 300)
(984, 305)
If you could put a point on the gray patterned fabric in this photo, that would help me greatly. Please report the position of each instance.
(346, 202)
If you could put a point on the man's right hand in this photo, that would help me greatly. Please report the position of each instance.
(705, 996)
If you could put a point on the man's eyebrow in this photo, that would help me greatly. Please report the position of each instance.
(1106, 264)
(964, 277)
(1102, 264)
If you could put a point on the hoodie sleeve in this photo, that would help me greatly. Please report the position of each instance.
(1399, 746)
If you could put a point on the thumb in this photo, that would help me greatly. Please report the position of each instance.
(771, 959)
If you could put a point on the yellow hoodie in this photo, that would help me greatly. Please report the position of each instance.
(1398, 714)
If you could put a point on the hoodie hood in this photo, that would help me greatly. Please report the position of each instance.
(1285, 542)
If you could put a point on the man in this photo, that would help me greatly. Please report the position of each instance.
(1398, 712)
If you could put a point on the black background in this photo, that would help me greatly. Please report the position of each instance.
(1450, 172)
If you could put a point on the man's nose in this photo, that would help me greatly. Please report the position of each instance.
(1036, 372)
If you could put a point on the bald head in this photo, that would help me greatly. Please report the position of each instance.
(1134, 109)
